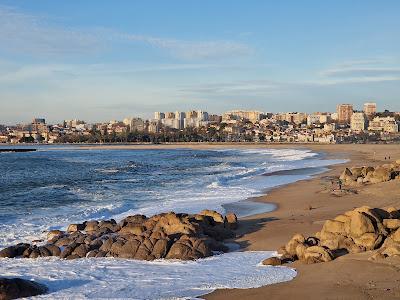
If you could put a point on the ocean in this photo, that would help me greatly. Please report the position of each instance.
(54, 186)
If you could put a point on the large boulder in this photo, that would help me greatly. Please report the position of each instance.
(272, 261)
(231, 221)
(317, 254)
(291, 246)
(360, 224)
(75, 227)
(380, 174)
(14, 288)
(14, 251)
(213, 214)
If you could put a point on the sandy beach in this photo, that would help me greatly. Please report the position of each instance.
(351, 276)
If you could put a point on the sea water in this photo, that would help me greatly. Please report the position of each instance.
(53, 187)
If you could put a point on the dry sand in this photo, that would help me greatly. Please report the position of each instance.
(348, 277)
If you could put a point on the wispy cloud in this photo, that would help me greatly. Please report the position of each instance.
(360, 71)
(20, 32)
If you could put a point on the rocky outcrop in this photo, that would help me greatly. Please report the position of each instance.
(14, 288)
(167, 235)
(357, 176)
(359, 230)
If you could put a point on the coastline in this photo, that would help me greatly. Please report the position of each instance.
(345, 277)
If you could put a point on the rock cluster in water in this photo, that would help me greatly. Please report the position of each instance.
(356, 176)
(359, 230)
(14, 288)
(167, 235)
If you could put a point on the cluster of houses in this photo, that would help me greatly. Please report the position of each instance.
(344, 125)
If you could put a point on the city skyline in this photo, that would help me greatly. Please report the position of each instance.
(98, 61)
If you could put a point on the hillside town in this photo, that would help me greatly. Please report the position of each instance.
(346, 125)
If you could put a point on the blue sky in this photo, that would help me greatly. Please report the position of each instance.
(102, 60)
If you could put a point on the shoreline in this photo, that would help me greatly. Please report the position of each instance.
(343, 278)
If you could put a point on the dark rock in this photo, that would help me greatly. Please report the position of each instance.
(14, 251)
(53, 249)
(129, 249)
(75, 227)
(14, 288)
(81, 250)
(44, 251)
(67, 251)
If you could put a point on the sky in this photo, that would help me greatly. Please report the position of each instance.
(102, 60)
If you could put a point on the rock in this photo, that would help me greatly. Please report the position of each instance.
(107, 245)
(92, 253)
(219, 233)
(293, 243)
(396, 236)
(380, 175)
(67, 251)
(14, 251)
(231, 221)
(110, 224)
(300, 251)
(356, 171)
(81, 250)
(312, 241)
(54, 234)
(35, 253)
(8, 252)
(144, 251)
(75, 227)
(334, 226)
(392, 250)
(14, 288)
(317, 254)
(369, 241)
(134, 220)
(377, 256)
(360, 224)
(367, 170)
(160, 248)
(129, 249)
(44, 251)
(272, 261)
(391, 223)
(64, 241)
(91, 226)
(116, 248)
(180, 250)
(217, 217)
(133, 229)
(394, 213)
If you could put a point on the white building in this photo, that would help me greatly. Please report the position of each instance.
(358, 121)
(385, 124)
(135, 124)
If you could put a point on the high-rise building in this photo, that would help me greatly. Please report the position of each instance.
(180, 116)
(370, 108)
(344, 112)
(170, 115)
(159, 115)
(358, 121)
(252, 116)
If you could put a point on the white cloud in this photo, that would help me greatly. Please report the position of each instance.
(20, 32)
